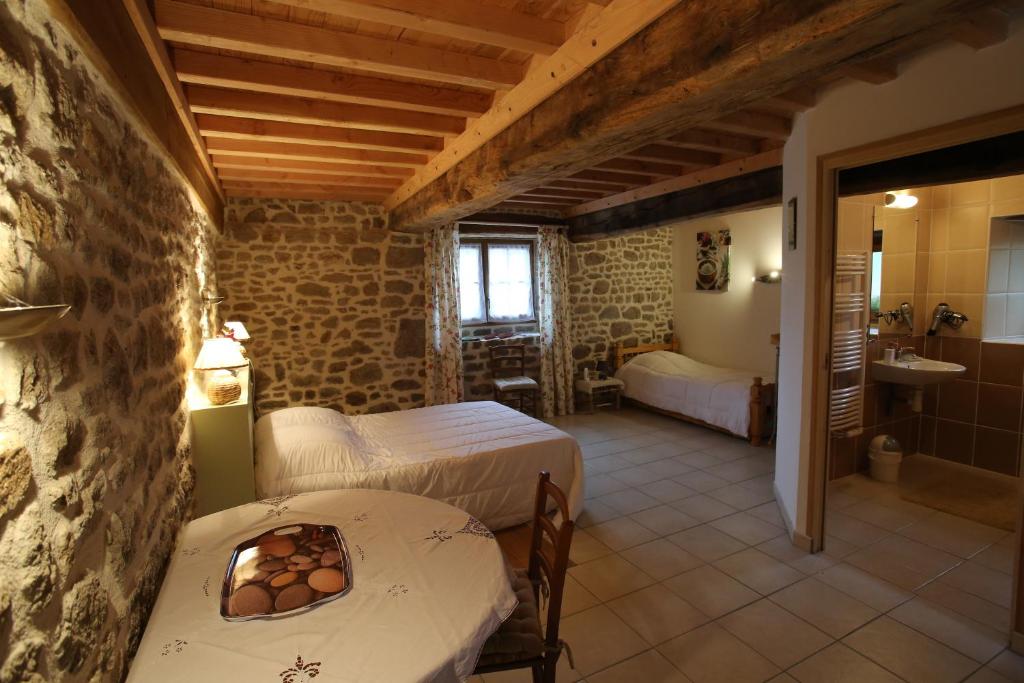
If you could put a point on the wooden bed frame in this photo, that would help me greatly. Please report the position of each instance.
(762, 396)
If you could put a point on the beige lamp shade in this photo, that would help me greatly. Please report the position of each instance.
(220, 353)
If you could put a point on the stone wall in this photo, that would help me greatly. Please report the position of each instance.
(621, 289)
(333, 301)
(476, 367)
(94, 458)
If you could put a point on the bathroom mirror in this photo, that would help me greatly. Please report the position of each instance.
(1004, 291)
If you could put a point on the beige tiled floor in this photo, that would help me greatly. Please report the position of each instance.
(683, 572)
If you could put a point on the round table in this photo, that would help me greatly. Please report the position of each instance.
(429, 585)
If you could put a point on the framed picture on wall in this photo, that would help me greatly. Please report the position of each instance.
(791, 223)
(713, 260)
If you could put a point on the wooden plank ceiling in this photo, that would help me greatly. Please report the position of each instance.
(372, 100)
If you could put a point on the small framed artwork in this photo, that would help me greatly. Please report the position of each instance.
(713, 260)
(791, 223)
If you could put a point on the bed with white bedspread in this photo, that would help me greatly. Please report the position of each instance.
(733, 401)
(480, 456)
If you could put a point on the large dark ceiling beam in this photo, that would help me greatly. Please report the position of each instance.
(699, 62)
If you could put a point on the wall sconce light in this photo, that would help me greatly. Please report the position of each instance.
(900, 199)
(19, 319)
(772, 278)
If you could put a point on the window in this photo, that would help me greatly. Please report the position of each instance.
(495, 281)
(876, 274)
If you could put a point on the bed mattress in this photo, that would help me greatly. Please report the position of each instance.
(672, 381)
(479, 456)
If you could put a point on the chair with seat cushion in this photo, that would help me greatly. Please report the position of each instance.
(520, 642)
(508, 377)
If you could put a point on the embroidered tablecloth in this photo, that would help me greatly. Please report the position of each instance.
(429, 585)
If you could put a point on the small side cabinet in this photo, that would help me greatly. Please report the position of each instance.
(222, 450)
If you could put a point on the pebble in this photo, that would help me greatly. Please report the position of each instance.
(327, 580)
(249, 600)
(293, 597)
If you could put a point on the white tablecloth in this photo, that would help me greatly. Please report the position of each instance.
(429, 585)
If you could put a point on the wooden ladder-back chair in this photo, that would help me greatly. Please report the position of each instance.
(520, 642)
(508, 377)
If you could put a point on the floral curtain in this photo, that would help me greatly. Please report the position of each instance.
(444, 330)
(555, 322)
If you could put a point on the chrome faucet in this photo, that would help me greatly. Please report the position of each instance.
(944, 314)
(902, 350)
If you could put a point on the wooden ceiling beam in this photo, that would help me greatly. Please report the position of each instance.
(533, 206)
(875, 72)
(982, 28)
(602, 187)
(598, 36)
(547, 201)
(792, 101)
(324, 153)
(281, 131)
(467, 20)
(222, 161)
(198, 25)
(711, 141)
(611, 178)
(270, 107)
(579, 195)
(753, 123)
(205, 68)
(317, 167)
(320, 193)
(674, 155)
(299, 178)
(700, 60)
(730, 169)
(641, 168)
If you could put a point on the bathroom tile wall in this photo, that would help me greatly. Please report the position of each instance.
(975, 420)
(1004, 301)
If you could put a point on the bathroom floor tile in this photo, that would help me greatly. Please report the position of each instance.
(839, 664)
(968, 637)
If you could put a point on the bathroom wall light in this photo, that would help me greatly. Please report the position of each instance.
(771, 278)
(901, 199)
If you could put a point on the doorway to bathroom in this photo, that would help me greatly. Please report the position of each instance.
(921, 410)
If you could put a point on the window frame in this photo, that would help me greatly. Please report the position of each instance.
(484, 242)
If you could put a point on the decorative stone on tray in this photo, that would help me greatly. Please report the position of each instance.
(285, 571)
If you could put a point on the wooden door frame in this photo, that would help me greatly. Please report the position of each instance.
(824, 214)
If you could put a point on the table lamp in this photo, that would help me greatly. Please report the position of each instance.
(218, 358)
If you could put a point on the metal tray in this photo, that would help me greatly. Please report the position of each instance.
(285, 571)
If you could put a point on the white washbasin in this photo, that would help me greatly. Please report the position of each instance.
(915, 371)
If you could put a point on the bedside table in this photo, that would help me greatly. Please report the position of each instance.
(222, 449)
(601, 392)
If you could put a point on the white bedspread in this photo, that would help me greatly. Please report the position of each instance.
(672, 381)
(479, 456)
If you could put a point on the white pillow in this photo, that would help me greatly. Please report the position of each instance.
(304, 449)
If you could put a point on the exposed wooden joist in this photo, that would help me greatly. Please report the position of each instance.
(762, 188)
(302, 133)
(982, 28)
(462, 19)
(619, 21)
(875, 72)
(642, 168)
(198, 25)
(141, 18)
(602, 187)
(578, 195)
(700, 61)
(299, 178)
(270, 107)
(754, 123)
(205, 68)
(318, 167)
(752, 164)
(711, 141)
(611, 178)
(526, 204)
(301, 192)
(674, 155)
(533, 199)
(276, 150)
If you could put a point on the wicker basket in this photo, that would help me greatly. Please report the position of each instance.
(222, 388)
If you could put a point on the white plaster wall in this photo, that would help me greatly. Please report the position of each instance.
(732, 328)
(946, 84)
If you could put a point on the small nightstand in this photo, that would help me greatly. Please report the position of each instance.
(601, 392)
(222, 450)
